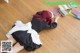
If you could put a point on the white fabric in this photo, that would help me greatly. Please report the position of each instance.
(20, 26)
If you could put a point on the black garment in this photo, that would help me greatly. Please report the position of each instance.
(25, 40)
(39, 25)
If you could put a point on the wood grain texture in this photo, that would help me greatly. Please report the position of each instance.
(64, 39)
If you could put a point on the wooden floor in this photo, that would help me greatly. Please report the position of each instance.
(64, 39)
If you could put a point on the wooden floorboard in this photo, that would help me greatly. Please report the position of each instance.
(64, 39)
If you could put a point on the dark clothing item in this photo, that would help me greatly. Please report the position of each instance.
(25, 40)
(39, 25)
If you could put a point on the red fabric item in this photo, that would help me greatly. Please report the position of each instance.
(45, 16)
